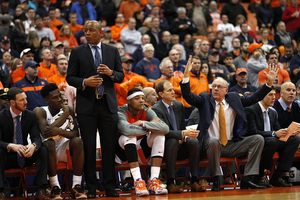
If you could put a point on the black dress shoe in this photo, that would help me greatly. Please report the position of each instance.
(91, 194)
(246, 184)
(111, 193)
(216, 184)
(280, 183)
(263, 182)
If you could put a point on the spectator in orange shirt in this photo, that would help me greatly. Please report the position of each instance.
(60, 78)
(66, 34)
(118, 27)
(46, 66)
(46, 23)
(127, 8)
(18, 74)
(53, 20)
(156, 2)
(282, 75)
(73, 23)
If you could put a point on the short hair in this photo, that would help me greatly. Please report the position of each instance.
(243, 23)
(160, 86)
(51, 9)
(154, 18)
(130, 19)
(47, 89)
(73, 13)
(37, 17)
(161, 65)
(289, 45)
(43, 49)
(46, 15)
(220, 78)
(269, 54)
(133, 90)
(227, 55)
(181, 9)
(30, 8)
(285, 83)
(298, 84)
(11, 94)
(147, 45)
(196, 57)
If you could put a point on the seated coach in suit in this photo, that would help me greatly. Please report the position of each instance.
(16, 123)
(221, 126)
(189, 147)
(262, 120)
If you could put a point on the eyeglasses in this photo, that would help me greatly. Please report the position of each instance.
(218, 86)
(149, 51)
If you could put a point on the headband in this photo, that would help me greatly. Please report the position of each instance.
(134, 95)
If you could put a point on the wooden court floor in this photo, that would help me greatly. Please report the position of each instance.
(292, 193)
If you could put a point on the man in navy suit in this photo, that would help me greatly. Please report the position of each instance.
(16, 124)
(93, 69)
(225, 139)
(262, 120)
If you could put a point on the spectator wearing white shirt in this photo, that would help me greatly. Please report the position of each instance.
(130, 37)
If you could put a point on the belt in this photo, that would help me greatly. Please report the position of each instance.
(98, 96)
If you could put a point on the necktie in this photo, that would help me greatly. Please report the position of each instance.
(98, 61)
(19, 137)
(172, 117)
(266, 121)
(222, 124)
(289, 109)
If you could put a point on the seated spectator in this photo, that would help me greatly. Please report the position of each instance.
(19, 74)
(16, 63)
(42, 31)
(32, 85)
(228, 61)
(66, 34)
(150, 96)
(256, 63)
(244, 35)
(59, 78)
(183, 25)
(206, 70)
(216, 68)
(174, 58)
(155, 33)
(131, 133)
(6, 58)
(67, 52)
(282, 37)
(59, 17)
(84, 10)
(189, 148)
(139, 17)
(288, 55)
(118, 27)
(17, 153)
(204, 47)
(46, 24)
(241, 77)
(73, 23)
(181, 52)
(146, 26)
(264, 37)
(188, 44)
(19, 14)
(238, 9)
(155, 2)
(127, 8)
(107, 38)
(295, 65)
(236, 48)
(60, 138)
(290, 16)
(263, 120)
(120, 48)
(43, 10)
(138, 53)
(297, 98)
(130, 37)
(277, 52)
(226, 27)
(264, 15)
(163, 23)
(45, 42)
(217, 44)
(214, 13)
(238, 21)
(148, 66)
(164, 46)
(53, 20)
(242, 59)
(5, 46)
(57, 49)
(33, 41)
(46, 67)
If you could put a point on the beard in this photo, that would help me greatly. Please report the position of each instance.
(22, 109)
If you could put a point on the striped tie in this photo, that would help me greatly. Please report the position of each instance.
(98, 61)
(19, 137)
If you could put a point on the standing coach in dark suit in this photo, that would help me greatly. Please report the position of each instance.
(221, 126)
(16, 123)
(263, 120)
(189, 147)
(96, 103)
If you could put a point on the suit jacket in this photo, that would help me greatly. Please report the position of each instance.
(242, 38)
(82, 66)
(255, 121)
(206, 106)
(29, 126)
(160, 109)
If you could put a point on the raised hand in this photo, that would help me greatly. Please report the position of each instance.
(188, 68)
(273, 70)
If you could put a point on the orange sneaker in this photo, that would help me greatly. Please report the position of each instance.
(154, 187)
(140, 188)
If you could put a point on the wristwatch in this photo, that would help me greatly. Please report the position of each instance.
(35, 146)
(273, 134)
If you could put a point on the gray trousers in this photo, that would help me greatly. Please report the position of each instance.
(251, 145)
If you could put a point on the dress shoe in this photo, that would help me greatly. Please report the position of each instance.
(280, 183)
(91, 194)
(174, 189)
(216, 183)
(197, 188)
(246, 184)
(263, 182)
(203, 182)
(41, 195)
(2, 196)
(111, 193)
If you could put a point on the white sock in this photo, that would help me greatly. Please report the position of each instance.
(136, 173)
(154, 172)
(76, 180)
(54, 181)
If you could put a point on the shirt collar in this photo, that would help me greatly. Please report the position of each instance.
(167, 105)
(263, 109)
(223, 102)
(283, 105)
(98, 45)
(14, 114)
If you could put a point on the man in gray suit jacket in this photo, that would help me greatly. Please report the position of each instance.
(180, 143)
